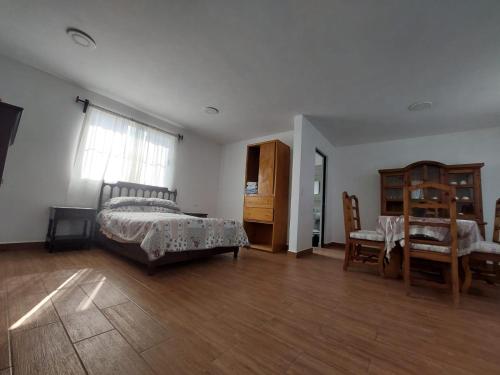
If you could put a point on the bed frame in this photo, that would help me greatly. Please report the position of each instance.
(134, 251)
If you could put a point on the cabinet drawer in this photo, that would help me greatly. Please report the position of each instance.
(264, 201)
(256, 213)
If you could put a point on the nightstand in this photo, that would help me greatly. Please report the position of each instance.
(197, 214)
(72, 215)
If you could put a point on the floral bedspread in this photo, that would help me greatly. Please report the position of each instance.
(161, 232)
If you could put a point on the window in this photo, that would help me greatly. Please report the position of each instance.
(114, 148)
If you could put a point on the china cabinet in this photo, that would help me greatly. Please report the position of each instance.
(466, 178)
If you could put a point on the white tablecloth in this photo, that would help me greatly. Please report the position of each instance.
(392, 227)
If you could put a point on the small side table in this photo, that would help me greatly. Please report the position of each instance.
(197, 214)
(71, 214)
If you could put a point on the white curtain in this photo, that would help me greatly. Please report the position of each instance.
(114, 148)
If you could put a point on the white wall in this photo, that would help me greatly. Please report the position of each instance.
(232, 174)
(209, 177)
(357, 169)
(38, 165)
(306, 140)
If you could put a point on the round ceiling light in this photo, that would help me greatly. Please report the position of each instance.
(211, 110)
(420, 106)
(81, 38)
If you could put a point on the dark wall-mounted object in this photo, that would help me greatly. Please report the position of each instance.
(10, 115)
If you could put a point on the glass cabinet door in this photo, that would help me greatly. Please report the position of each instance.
(392, 193)
(394, 180)
(417, 178)
(463, 181)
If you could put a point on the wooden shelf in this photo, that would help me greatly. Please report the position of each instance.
(264, 247)
(258, 221)
(465, 216)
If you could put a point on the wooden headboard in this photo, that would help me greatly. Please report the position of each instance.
(128, 189)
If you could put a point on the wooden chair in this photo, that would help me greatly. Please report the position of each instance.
(445, 251)
(484, 253)
(356, 239)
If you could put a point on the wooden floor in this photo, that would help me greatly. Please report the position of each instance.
(78, 312)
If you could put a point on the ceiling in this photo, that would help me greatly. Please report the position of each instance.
(351, 66)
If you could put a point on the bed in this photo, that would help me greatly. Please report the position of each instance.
(141, 222)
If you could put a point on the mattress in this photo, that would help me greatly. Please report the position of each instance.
(162, 232)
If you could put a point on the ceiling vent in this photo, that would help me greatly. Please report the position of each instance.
(420, 106)
(81, 38)
(212, 110)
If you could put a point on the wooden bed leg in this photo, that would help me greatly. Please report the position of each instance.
(151, 269)
(236, 253)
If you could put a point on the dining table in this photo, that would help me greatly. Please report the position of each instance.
(392, 227)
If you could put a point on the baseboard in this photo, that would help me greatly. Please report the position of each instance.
(333, 244)
(22, 245)
(301, 253)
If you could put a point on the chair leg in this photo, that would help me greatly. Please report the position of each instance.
(406, 270)
(347, 256)
(446, 272)
(455, 281)
(467, 274)
(381, 257)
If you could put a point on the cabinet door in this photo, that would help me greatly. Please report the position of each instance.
(266, 168)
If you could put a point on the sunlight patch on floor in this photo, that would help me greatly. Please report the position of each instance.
(86, 303)
(39, 305)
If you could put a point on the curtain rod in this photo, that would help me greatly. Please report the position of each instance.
(87, 103)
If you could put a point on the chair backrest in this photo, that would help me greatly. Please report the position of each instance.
(447, 204)
(496, 225)
(352, 221)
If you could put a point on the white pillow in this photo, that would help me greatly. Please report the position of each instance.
(137, 208)
(141, 201)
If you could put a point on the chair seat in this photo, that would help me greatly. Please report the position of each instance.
(437, 249)
(487, 247)
(370, 235)
(434, 248)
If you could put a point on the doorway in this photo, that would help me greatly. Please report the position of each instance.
(319, 199)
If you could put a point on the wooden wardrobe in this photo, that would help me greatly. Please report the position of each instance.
(265, 214)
